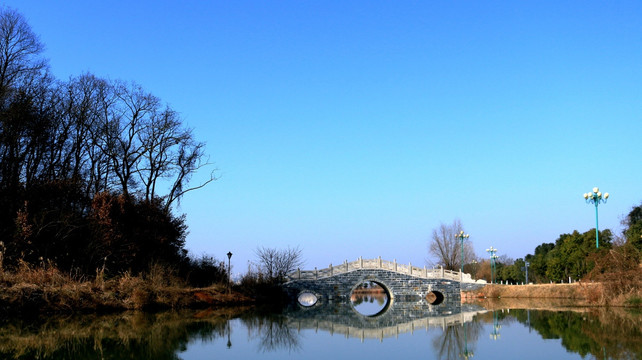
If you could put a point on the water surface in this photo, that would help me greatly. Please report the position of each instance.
(337, 331)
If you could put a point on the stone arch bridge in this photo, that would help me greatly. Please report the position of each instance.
(402, 282)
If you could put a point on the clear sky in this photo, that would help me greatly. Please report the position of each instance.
(354, 128)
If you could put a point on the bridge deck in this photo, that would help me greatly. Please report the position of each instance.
(361, 263)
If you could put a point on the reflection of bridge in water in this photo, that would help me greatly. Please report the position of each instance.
(401, 317)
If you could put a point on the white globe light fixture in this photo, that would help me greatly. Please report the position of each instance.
(596, 198)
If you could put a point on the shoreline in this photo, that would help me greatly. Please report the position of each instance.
(38, 300)
(47, 291)
(578, 294)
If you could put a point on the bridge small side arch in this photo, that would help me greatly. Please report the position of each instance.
(435, 297)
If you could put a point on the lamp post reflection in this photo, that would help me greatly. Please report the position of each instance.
(229, 341)
(466, 354)
(494, 335)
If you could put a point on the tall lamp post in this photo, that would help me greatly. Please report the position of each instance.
(461, 236)
(474, 269)
(229, 274)
(596, 198)
(492, 252)
(495, 257)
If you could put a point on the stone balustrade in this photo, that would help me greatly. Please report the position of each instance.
(378, 263)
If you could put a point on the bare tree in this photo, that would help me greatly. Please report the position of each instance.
(132, 114)
(19, 50)
(445, 247)
(188, 160)
(278, 263)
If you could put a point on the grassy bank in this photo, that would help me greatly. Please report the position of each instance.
(580, 294)
(29, 290)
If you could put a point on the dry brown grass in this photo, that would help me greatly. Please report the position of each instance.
(45, 289)
(580, 293)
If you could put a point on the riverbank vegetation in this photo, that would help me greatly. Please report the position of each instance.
(608, 275)
(45, 289)
(575, 294)
(90, 171)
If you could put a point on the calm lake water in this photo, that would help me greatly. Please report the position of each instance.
(333, 331)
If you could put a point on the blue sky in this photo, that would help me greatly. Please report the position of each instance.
(354, 128)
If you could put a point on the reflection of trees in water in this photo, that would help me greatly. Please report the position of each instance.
(456, 340)
(602, 333)
(133, 335)
(273, 332)
(369, 292)
(381, 299)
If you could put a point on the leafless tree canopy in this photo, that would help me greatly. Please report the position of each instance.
(90, 168)
(276, 264)
(112, 135)
(445, 247)
(20, 50)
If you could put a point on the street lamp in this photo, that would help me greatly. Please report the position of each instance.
(495, 257)
(461, 236)
(474, 269)
(492, 252)
(229, 274)
(526, 265)
(596, 198)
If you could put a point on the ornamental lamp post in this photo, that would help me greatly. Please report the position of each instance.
(229, 274)
(474, 268)
(461, 236)
(495, 257)
(596, 198)
(492, 252)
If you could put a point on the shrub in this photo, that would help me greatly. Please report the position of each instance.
(204, 271)
(634, 301)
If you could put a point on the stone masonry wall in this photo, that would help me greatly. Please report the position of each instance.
(401, 287)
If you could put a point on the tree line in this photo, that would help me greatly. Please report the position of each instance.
(90, 168)
(572, 255)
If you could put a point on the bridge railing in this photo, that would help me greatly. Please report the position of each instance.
(378, 263)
